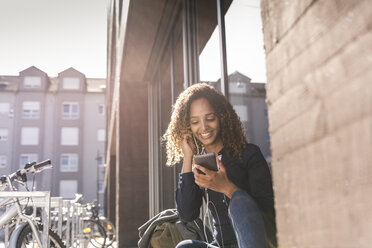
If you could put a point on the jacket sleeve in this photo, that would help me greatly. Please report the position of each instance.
(188, 197)
(261, 189)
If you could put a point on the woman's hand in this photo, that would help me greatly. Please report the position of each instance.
(214, 180)
(187, 147)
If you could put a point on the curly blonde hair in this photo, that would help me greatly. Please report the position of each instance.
(232, 134)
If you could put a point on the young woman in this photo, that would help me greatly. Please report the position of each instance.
(240, 194)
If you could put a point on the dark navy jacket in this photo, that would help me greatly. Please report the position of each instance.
(251, 174)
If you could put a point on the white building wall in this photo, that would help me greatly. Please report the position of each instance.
(49, 141)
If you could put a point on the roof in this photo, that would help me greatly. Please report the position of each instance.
(94, 85)
(9, 83)
(239, 78)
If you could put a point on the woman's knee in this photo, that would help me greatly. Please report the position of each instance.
(242, 200)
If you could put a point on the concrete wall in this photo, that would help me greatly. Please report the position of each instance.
(61, 97)
(50, 121)
(319, 93)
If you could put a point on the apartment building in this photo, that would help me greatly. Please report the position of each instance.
(248, 100)
(60, 118)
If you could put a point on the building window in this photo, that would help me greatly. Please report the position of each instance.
(100, 161)
(70, 83)
(70, 110)
(242, 112)
(4, 107)
(101, 134)
(237, 87)
(31, 110)
(29, 136)
(32, 82)
(100, 188)
(3, 161)
(69, 162)
(3, 134)
(27, 158)
(68, 188)
(101, 109)
(70, 136)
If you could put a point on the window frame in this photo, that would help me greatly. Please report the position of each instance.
(33, 113)
(100, 165)
(1, 161)
(69, 143)
(23, 129)
(101, 137)
(101, 112)
(28, 155)
(6, 134)
(68, 181)
(69, 167)
(6, 107)
(66, 82)
(101, 189)
(70, 115)
(32, 85)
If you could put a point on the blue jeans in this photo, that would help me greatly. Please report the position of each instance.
(247, 222)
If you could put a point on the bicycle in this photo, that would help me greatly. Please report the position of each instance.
(87, 224)
(109, 228)
(79, 225)
(29, 232)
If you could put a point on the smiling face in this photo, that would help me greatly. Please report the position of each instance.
(205, 125)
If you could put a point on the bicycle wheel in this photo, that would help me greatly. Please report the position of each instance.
(110, 231)
(96, 233)
(26, 239)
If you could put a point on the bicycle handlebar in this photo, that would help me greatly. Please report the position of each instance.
(42, 164)
(29, 168)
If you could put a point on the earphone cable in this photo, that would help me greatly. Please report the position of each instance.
(210, 224)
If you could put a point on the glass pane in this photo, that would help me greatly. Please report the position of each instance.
(3, 161)
(246, 69)
(244, 40)
(64, 160)
(209, 59)
(71, 83)
(74, 108)
(66, 108)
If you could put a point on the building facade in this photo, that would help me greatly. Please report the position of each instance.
(249, 101)
(62, 119)
(318, 58)
(153, 54)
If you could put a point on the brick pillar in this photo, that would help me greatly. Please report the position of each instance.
(319, 93)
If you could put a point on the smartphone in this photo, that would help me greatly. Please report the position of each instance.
(207, 160)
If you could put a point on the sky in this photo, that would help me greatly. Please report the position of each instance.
(55, 35)
(244, 44)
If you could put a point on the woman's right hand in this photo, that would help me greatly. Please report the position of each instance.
(188, 149)
(187, 145)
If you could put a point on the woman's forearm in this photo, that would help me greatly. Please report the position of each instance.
(187, 164)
